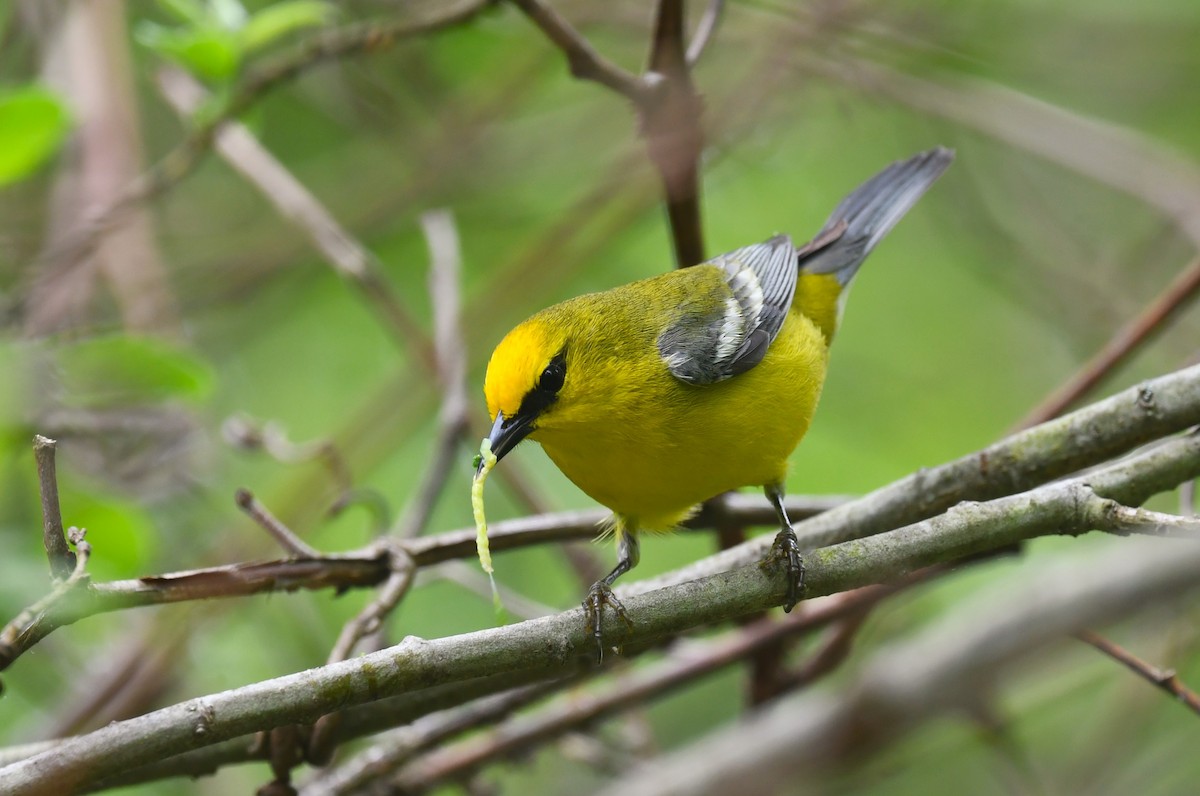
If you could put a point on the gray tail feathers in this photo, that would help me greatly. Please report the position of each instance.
(869, 213)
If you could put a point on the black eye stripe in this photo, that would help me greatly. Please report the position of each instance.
(545, 392)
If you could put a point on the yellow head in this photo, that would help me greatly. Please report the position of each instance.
(525, 377)
(572, 364)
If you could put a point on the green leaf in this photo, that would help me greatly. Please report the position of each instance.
(33, 123)
(127, 369)
(276, 21)
(208, 52)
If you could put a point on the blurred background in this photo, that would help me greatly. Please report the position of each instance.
(209, 318)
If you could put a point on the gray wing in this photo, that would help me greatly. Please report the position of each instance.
(712, 344)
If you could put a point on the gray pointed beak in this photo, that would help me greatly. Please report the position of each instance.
(506, 433)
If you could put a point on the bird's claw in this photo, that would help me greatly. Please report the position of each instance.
(600, 595)
(786, 548)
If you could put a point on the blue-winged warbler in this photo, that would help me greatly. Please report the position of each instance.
(657, 395)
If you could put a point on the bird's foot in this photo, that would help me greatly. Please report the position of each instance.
(600, 595)
(786, 548)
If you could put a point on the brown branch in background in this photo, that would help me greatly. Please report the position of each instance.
(90, 64)
(282, 534)
(1178, 295)
(666, 102)
(62, 560)
(670, 123)
(834, 650)
(183, 159)
(1166, 679)
(1017, 769)
(244, 433)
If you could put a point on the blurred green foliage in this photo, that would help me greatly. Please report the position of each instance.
(1007, 276)
(33, 122)
(212, 38)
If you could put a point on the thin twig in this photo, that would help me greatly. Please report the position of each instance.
(245, 433)
(1166, 679)
(282, 534)
(15, 636)
(585, 63)
(62, 560)
(704, 31)
(1132, 520)
(1130, 339)
(445, 264)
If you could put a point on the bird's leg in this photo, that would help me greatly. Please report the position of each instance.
(601, 593)
(786, 547)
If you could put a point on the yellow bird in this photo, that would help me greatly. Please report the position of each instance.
(657, 395)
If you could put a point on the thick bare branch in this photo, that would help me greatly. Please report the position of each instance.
(688, 663)
(283, 535)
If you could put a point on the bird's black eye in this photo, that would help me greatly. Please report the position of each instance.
(553, 376)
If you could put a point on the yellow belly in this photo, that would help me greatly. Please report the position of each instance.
(659, 454)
